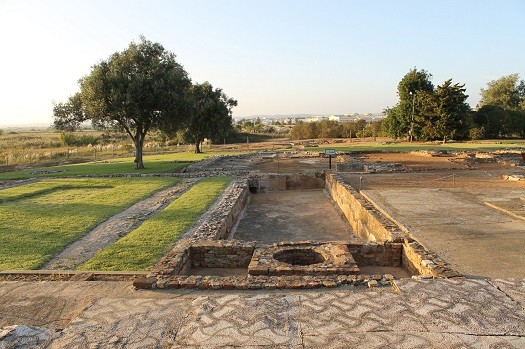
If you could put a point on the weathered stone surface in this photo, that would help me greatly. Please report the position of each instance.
(366, 221)
(21, 336)
(513, 288)
(220, 219)
(145, 282)
(82, 277)
(303, 258)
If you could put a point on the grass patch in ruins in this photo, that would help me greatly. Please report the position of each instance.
(39, 220)
(144, 246)
(162, 163)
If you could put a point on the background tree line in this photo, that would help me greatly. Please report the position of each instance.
(425, 112)
(143, 89)
(334, 129)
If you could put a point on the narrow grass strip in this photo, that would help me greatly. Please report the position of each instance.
(144, 246)
(98, 168)
(163, 163)
(39, 220)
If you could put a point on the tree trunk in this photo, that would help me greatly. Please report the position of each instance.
(139, 163)
(198, 147)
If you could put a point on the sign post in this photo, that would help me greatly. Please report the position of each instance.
(330, 153)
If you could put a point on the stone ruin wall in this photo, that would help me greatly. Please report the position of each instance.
(261, 183)
(205, 246)
(221, 254)
(365, 220)
(384, 255)
(371, 225)
(221, 219)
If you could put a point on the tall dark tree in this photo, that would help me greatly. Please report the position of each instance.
(400, 119)
(211, 114)
(140, 89)
(492, 121)
(444, 113)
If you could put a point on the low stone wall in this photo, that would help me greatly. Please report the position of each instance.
(189, 254)
(265, 270)
(260, 183)
(205, 247)
(176, 262)
(396, 248)
(221, 254)
(221, 219)
(199, 166)
(418, 261)
(364, 219)
(260, 282)
(384, 255)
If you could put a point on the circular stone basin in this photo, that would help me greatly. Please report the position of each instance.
(299, 256)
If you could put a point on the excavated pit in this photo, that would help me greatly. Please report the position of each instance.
(294, 231)
(292, 215)
(299, 257)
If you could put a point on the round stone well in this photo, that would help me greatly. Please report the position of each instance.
(303, 258)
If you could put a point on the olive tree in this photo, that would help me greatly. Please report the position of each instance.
(211, 114)
(140, 89)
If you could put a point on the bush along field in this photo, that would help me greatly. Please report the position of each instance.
(144, 246)
(39, 220)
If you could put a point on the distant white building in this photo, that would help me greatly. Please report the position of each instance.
(340, 118)
(314, 118)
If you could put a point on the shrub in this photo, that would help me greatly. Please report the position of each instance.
(71, 139)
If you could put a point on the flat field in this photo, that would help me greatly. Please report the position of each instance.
(38, 220)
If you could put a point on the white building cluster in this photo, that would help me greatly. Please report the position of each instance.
(292, 119)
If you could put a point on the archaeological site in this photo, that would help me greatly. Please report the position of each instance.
(403, 250)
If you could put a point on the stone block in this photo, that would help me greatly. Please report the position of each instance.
(144, 282)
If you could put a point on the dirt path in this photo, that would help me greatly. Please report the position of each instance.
(116, 227)
(17, 183)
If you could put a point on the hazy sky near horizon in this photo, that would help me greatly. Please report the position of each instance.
(273, 56)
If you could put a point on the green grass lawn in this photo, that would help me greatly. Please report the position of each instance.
(144, 246)
(165, 163)
(40, 219)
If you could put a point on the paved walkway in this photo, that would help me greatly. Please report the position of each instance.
(457, 225)
(458, 313)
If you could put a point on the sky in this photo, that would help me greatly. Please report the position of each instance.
(273, 56)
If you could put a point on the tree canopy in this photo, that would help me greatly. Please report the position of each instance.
(501, 111)
(506, 92)
(139, 89)
(400, 118)
(211, 115)
(333, 129)
(444, 113)
(429, 113)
